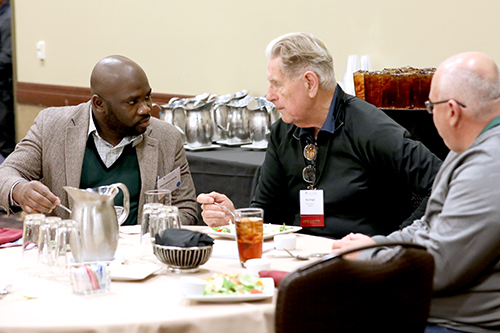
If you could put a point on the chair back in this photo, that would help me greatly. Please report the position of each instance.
(391, 293)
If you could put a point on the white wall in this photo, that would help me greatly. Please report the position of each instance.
(195, 46)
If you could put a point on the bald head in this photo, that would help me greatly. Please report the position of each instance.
(121, 98)
(467, 86)
(112, 72)
(471, 78)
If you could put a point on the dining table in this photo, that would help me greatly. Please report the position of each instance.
(149, 302)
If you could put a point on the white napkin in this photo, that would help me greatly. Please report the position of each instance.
(229, 249)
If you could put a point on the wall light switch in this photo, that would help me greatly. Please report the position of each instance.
(40, 50)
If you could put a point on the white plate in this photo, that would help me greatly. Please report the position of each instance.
(189, 148)
(231, 144)
(131, 229)
(133, 272)
(268, 292)
(267, 235)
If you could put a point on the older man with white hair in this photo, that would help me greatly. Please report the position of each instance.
(335, 164)
(461, 225)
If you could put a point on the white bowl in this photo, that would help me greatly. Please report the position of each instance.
(287, 241)
(254, 266)
(192, 286)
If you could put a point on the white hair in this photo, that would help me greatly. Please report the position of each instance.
(301, 52)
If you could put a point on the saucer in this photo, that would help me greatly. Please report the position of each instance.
(230, 144)
(189, 148)
(255, 147)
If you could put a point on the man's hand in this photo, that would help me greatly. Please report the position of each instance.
(351, 241)
(34, 197)
(212, 214)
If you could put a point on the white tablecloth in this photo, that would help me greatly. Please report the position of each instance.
(154, 304)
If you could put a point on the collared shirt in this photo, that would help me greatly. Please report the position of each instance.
(328, 125)
(107, 152)
(493, 123)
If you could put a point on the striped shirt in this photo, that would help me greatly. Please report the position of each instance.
(107, 152)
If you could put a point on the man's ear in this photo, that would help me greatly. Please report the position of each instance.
(312, 83)
(98, 104)
(454, 114)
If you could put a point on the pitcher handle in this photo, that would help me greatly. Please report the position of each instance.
(174, 111)
(126, 202)
(216, 111)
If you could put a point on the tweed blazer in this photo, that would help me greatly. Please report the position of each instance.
(53, 150)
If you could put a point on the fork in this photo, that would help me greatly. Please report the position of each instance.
(222, 206)
(306, 256)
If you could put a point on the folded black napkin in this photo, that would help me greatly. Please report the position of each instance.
(183, 238)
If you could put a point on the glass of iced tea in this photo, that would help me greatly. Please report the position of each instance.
(249, 233)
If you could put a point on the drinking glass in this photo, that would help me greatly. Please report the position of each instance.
(66, 229)
(47, 239)
(150, 212)
(168, 218)
(160, 196)
(154, 200)
(249, 224)
(31, 231)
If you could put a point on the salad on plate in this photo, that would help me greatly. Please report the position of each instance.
(270, 230)
(233, 284)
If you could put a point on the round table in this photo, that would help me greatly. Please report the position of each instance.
(153, 304)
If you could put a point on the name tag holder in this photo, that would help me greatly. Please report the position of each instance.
(312, 208)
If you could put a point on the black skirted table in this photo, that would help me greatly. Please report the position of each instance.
(421, 127)
(232, 171)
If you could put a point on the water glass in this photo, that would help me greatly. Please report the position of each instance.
(160, 196)
(249, 224)
(155, 219)
(168, 218)
(155, 199)
(150, 212)
(31, 232)
(62, 254)
(47, 240)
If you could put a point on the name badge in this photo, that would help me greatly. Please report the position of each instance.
(171, 181)
(312, 208)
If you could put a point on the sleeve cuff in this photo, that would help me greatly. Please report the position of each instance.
(12, 202)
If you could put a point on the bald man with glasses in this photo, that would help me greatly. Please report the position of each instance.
(461, 225)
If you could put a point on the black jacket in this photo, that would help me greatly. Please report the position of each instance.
(369, 169)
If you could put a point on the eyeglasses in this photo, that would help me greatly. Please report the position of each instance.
(309, 172)
(430, 105)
